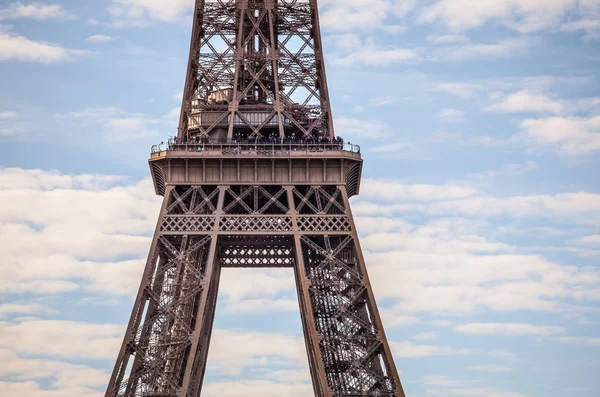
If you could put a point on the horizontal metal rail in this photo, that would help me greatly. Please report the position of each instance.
(258, 149)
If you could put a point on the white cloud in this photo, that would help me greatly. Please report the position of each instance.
(382, 100)
(454, 199)
(508, 329)
(344, 15)
(588, 240)
(256, 388)
(425, 336)
(463, 90)
(350, 128)
(524, 16)
(451, 115)
(571, 136)
(67, 379)
(395, 191)
(239, 285)
(526, 101)
(501, 49)
(353, 50)
(257, 306)
(62, 338)
(579, 340)
(100, 38)
(410, 349)
(140, 13)
(440, 381)
(233, 351)
(490, 368)
(508, 170)
(486, 392)
(37, 11)
(20, 308)
(8, 115)
(19, 48)
(33, 389)
(118, 125)
(591, 28)
(45, 221)
(390, 148)
(447, 39)
(441, 323)
(374, 55)
(358, 14)
(447, 266)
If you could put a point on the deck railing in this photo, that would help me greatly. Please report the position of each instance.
(255, 148)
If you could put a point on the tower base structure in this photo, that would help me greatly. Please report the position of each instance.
(292, 212)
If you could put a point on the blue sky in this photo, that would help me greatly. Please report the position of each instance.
(479, 123)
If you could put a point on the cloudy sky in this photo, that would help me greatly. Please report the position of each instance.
(479, 121)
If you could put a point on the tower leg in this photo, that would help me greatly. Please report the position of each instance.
(347, 348)
(165, 354)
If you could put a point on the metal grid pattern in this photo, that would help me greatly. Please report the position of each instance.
(259, 251)
(255, 68)
(259, 223)
(187, 224)
(350, 344)
(324, 223)
(255, 65)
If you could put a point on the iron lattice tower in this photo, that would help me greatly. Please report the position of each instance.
(255, 178)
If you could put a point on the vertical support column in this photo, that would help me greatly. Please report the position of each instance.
(200, 338)
(311, 337)
(399, 392)
(141, 299)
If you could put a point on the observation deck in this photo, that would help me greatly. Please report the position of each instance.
(246, 163)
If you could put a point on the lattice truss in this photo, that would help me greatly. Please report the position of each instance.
(319, 200)
(264, 251)
(354, 358)
(165, 318)
(255, 200)
(188, 209)
(257, 66)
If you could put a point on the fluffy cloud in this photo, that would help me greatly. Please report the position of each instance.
(375, 55)
(233, 351)
(344, 15)
(590, 27)
(524, 16)
(257, 388)
(410, 349)
(100, 38)
(67, 222)
(579, 340)
(33, 389)
(38, 11)
(118, 125)
(526, 101)
(397, 191)
(448, 267)
(69, 379)
(351, 128)
(62, 338)
(571, 136)
(20, 48)
(140, 13)
(485, 51)
(490, 368)
(451, 115)
(508, 329)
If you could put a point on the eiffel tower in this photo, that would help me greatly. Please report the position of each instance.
(255, 178)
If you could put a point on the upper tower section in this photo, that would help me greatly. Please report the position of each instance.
(255, 105)
(255, 72)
